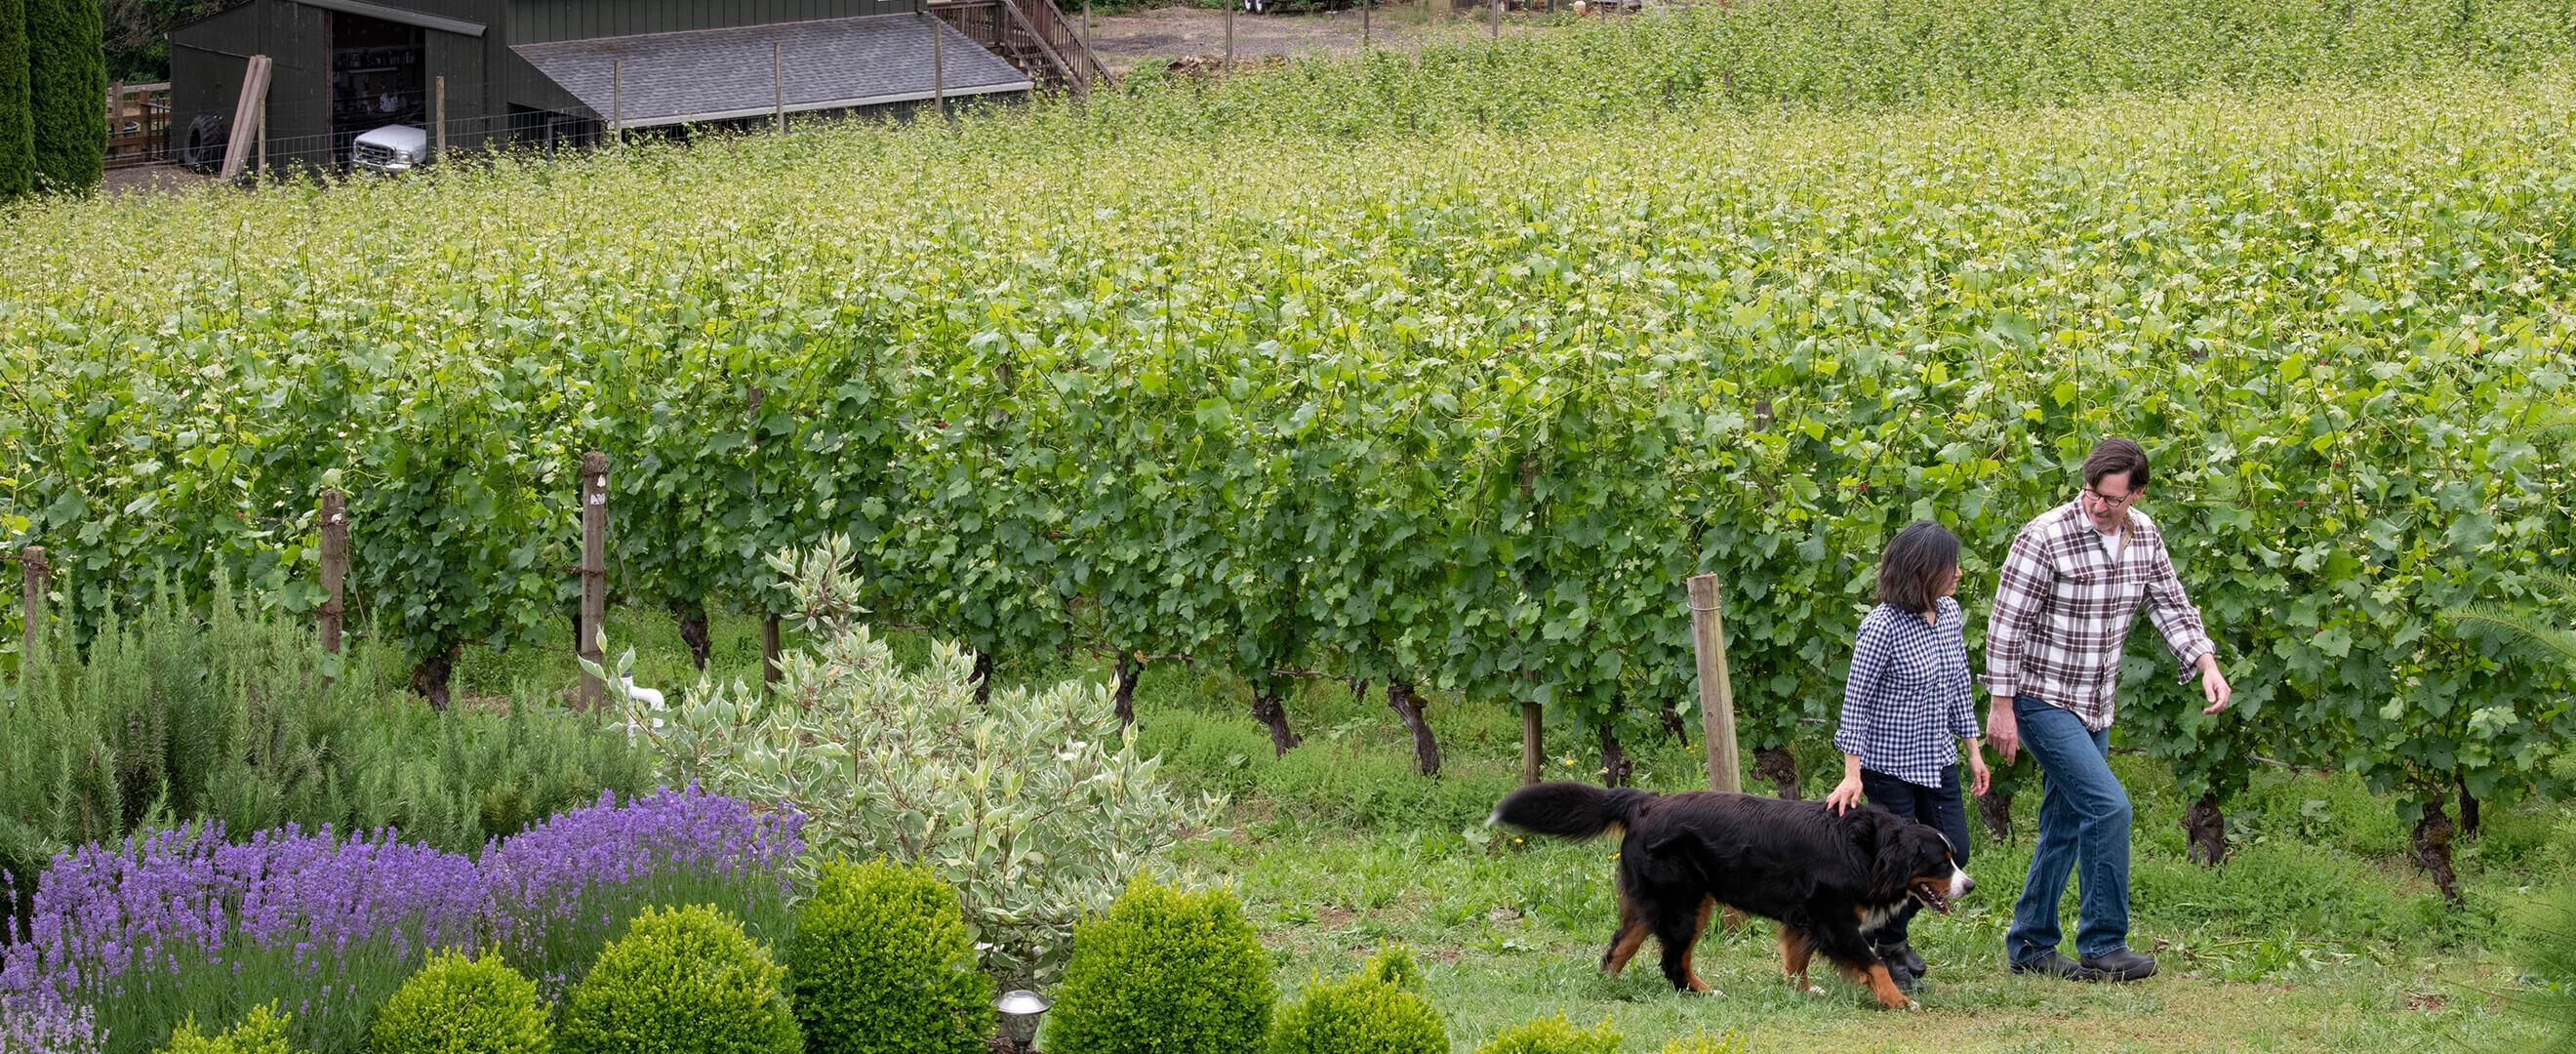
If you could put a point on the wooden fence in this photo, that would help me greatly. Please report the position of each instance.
(138, 124)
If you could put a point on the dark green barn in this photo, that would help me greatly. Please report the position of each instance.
(552, 72)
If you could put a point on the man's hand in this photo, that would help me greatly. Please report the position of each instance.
(2001, 729)
(2214, 684)
(1979, 776)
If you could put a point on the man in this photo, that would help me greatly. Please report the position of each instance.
(2071, 586)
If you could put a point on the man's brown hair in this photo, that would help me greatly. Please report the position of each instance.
(2115, 456)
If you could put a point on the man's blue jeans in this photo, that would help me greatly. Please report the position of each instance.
(2083, 819)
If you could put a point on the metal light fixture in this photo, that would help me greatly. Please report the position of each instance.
(1020, 1009)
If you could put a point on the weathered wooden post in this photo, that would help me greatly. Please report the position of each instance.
(769, 654)
(1229, 36)
(616, 102)
(438, 120)
(1716, 695)
(1532, 759)
(594, 571)
(778, 86)
(31, 561)
(335, 566)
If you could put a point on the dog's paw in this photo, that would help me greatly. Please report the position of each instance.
(1815, 989)
(1913, 1007)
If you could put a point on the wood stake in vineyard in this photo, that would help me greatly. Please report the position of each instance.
(31, 561)
(1716, 696)
(335, 566)
(594, 570)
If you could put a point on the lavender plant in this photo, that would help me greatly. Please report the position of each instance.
(125, 942)
(564, 889)
(181, 924)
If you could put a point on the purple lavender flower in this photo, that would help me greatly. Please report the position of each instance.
(133, 935)
(591, 868)
(123, 940)
(41, 1022)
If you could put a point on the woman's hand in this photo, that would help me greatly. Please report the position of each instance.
(1979, 776)
(1846, 796)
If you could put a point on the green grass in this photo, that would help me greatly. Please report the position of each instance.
(2318, 935)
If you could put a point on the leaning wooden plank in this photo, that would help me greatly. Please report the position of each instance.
(246, 117)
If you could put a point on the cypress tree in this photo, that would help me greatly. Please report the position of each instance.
(66, 93)
(17, 129)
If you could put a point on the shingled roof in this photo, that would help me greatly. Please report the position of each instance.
(715, 74)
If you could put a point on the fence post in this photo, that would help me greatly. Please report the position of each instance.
(262, 166)
(1716, 696)
(594, 571)
(438, 119)
(1531, 755)
(778, 86)
(1497, 35)
(616, 102)
(1364, 23)
(1230, 5)
(769, 654)
(32, 561)
(335, 566)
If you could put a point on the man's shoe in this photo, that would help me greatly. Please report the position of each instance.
(2053, 964)
(2119, 965)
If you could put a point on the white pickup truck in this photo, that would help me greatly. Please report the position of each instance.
(394, 148)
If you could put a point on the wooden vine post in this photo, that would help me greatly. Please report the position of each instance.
(769, 654)
(335, 566)
(1531, 763)
(31, 561)
(594, 571)
(1716, 695)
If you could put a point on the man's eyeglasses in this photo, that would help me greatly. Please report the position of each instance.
(2107, 501)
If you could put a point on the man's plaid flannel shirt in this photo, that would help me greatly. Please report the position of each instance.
(2062, 612)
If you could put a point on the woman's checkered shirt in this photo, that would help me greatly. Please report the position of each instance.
(1908, 699)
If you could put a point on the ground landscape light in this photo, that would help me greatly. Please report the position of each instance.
(1020, 1009)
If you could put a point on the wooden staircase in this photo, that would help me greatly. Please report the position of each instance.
(1033, 35)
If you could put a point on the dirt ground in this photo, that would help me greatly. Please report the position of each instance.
(1174, 32)
(150, 178)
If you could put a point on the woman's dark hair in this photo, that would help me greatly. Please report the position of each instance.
(2120, 457)
(1921, 555)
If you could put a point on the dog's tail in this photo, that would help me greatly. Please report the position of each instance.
(1570, 810)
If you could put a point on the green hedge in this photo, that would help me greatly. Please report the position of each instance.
(17, 113)
(67, 93)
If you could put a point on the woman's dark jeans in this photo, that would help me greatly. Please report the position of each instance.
(1941, 806)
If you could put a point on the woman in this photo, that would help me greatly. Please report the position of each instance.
(1907, 702)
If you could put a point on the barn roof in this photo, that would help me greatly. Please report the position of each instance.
(715, 74)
